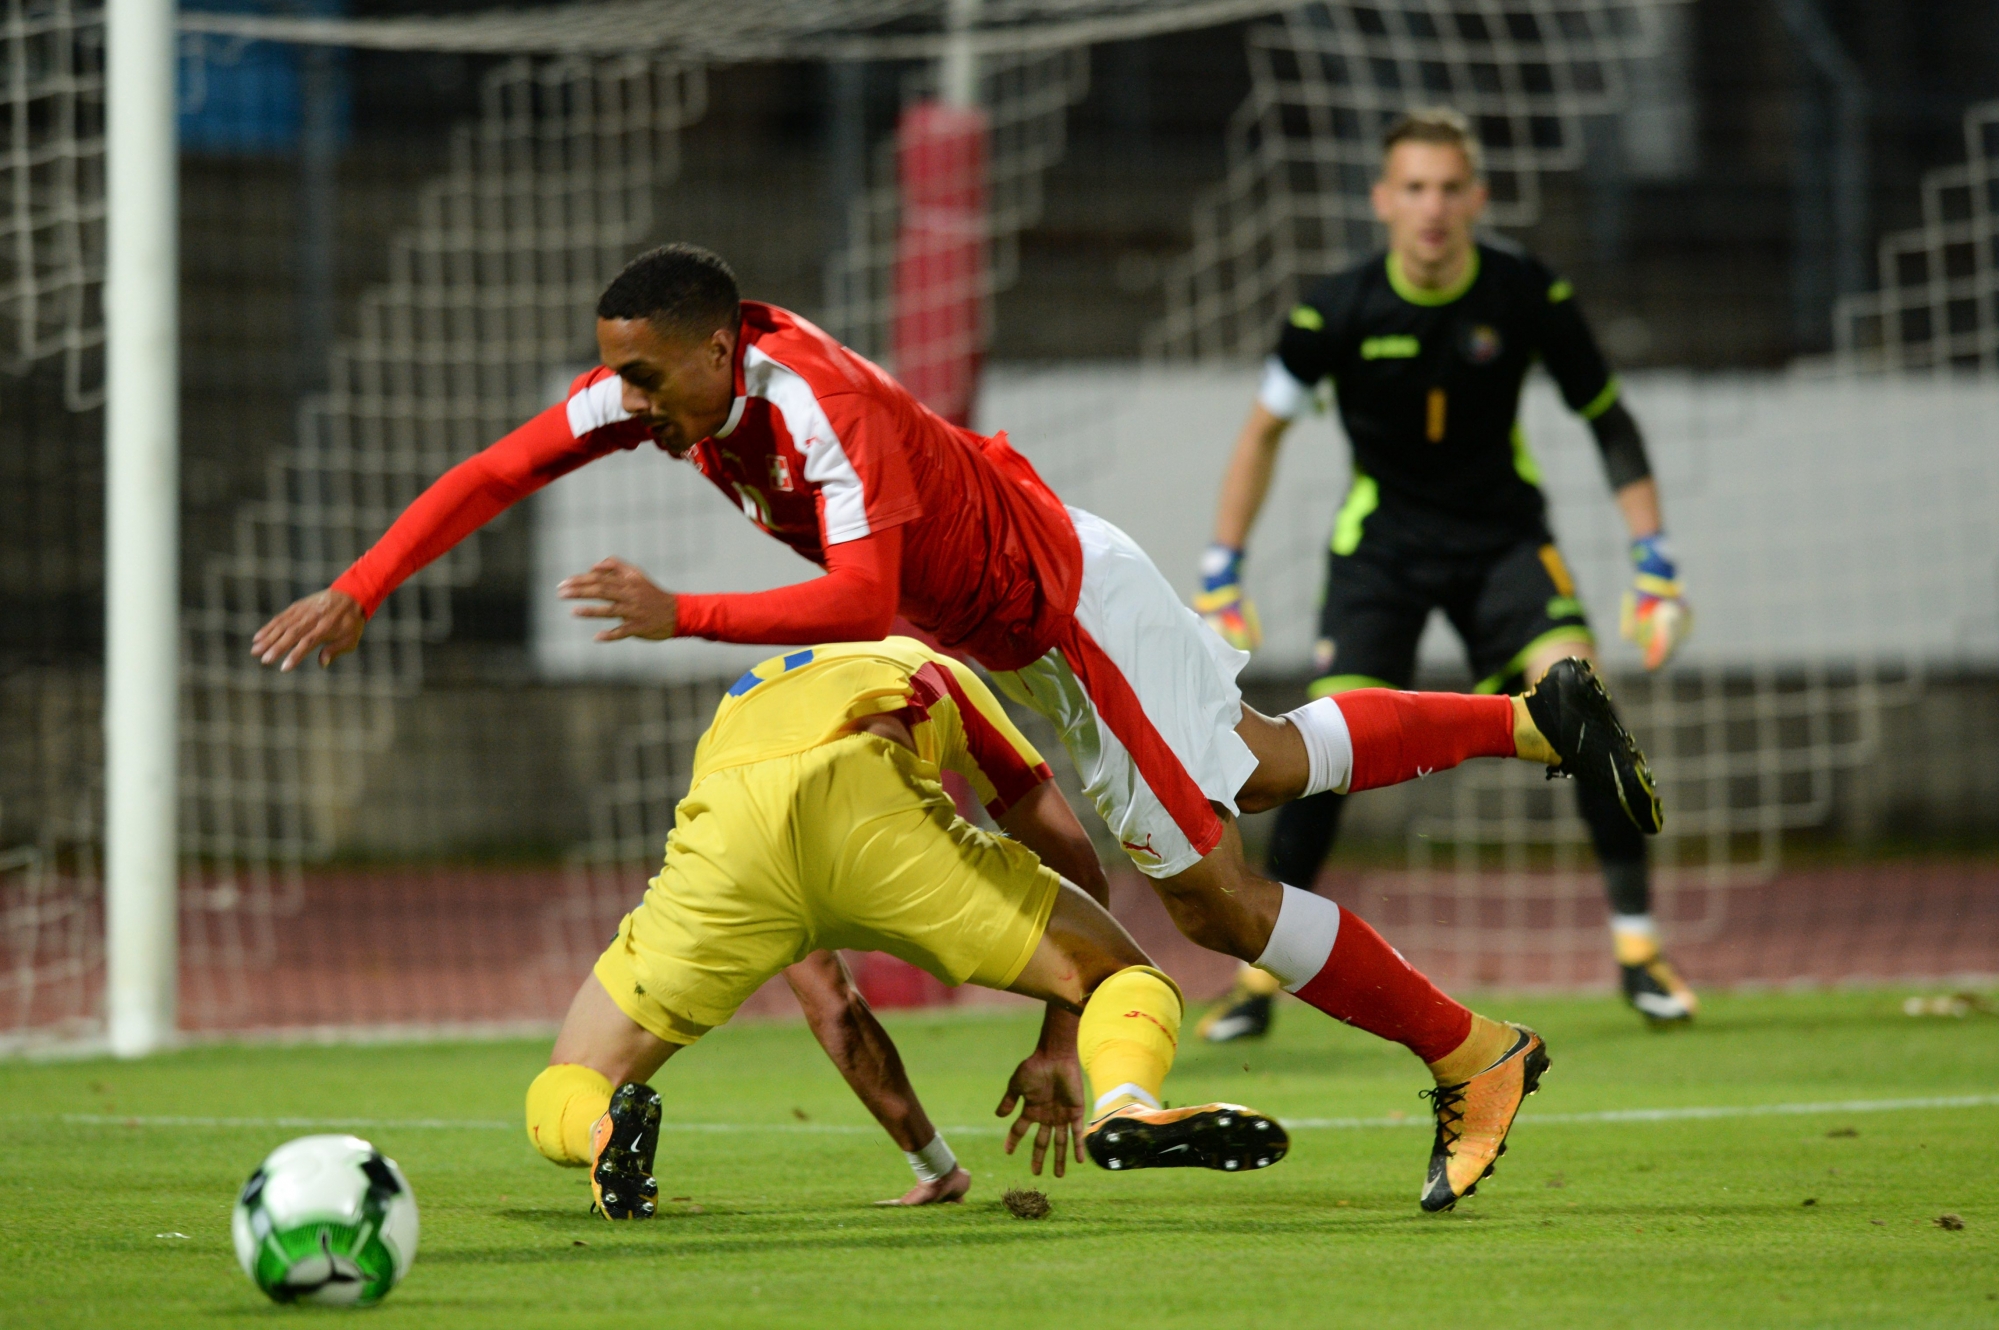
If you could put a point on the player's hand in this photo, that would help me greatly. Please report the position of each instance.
(944, 1191)
(644, 610)
(330, 620)
(1655, 614)
(1221, 602)
(1049, 1089)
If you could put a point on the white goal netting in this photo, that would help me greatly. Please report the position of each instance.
(52, 183)
(547, 194)
(549, 188)
(1934, 308)
(1327, 80)
(332, 821)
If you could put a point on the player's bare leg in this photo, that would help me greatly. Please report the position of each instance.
(1086, 962)
(1332, 959)
(591, 1106)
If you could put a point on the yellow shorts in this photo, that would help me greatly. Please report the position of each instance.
(851, 844)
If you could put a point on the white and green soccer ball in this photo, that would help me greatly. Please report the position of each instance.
(326, 1219)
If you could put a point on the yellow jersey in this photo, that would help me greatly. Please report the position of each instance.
(793, 702)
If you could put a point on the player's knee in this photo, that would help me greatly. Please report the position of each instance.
(1221, 903)
(1264, 791)
(562, 1104)
(1280, 767)
(1193, 911)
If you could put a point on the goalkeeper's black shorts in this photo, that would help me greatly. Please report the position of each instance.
(1504, 606)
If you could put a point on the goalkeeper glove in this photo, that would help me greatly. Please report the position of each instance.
(1655, 615)
(1221, 601)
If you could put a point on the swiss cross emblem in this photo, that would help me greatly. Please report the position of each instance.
(780, 472)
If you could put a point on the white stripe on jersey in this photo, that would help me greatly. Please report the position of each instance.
(846, 511)
(601, 404)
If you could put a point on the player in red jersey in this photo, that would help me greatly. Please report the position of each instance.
(910, 514)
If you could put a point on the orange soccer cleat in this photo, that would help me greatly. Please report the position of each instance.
(1225, 1137)
(1473, 1118)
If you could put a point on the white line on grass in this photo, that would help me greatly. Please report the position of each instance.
(1688, 1114)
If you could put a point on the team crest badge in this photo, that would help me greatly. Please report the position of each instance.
(1483, 344)
(780, 472)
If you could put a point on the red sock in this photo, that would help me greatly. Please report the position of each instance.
(1400, 736)
(1367, 984)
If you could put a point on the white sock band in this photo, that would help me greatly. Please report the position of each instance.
(1128, 1089)
(1302, 941)
(1328, 745)
(1634, 925)
(933, 1161)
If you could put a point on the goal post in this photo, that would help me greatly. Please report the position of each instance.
(142, 529)
(440, 832)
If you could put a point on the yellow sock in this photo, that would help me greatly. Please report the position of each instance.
(1528, 741)
(1129, 1031)
(1635, 946)
(1259, 983)
(1486, 1044)
(564, 1102)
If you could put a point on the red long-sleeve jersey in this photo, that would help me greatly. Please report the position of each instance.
(826, 452)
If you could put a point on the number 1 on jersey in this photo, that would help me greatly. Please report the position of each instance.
(1434, 429)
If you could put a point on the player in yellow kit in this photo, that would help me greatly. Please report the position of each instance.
(815, 819)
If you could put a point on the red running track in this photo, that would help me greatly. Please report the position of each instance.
(492, 946)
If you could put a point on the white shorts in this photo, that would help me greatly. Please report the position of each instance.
(1144, 696)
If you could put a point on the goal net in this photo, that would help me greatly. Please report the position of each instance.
(443, 830)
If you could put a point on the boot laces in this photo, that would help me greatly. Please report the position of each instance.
(1448, 1103)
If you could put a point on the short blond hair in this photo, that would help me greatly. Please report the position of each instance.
(1435, 124)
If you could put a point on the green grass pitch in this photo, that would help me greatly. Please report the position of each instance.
(1812, 1218)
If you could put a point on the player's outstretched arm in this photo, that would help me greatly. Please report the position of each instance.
(1221, 600)
(1247, 480)
(327, 621)
(1654, 612)
(854, 602)
(847, 1029)
(455, 505)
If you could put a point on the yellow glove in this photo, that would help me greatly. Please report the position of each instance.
(1655, 614)
(1221, 601)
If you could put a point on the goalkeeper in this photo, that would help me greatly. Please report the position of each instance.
(1427, 346)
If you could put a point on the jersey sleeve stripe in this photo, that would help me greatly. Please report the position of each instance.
(1009, 771)
(845, 515)
(600, 404)
(1602, 401)
(927, 688)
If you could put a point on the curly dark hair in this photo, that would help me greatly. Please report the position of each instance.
(684, 290)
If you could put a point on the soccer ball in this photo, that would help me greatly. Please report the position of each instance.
(326, 1219)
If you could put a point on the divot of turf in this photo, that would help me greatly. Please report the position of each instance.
(1027, 1203)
